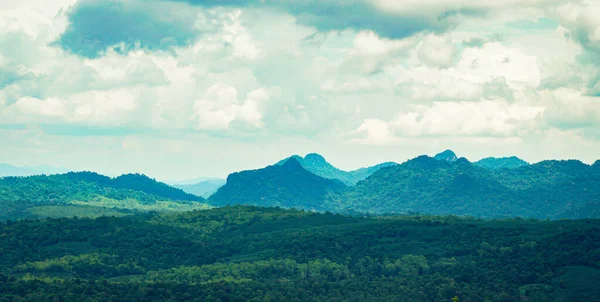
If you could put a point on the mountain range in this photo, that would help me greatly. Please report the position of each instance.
(317, 164)
(440, 185)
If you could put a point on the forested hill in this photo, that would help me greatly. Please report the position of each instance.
(265, 254)
(286, 185)
(548, 189)
(500, 163)
(317, 164)
(88, 193)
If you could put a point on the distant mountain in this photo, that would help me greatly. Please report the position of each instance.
(83, 193)
(499, 163)
(447, 155)
(286, 185)
(426, 185)
(204, 188)
(317, 164)
(193, 181)
(10, 170)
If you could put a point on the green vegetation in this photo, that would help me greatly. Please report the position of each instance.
(501, 163)
(286, 185)
(88, 194)
(549, 189)
(245, 253)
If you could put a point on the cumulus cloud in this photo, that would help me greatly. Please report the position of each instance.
(455, 119)
(437, 50)
(361, 71)
(569, 109)
(97, 25)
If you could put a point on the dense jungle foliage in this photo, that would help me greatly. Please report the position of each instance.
(246, 253)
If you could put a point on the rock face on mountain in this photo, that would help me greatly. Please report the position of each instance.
(317, 164)
(447, 155)
(287, 185)
(500, 163)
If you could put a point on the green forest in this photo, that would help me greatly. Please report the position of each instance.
(245, 253)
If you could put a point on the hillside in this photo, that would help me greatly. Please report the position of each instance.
(317, 164)
(83, 193)
(255, 254)
(425, 185)
(286, 185)
(500, 163)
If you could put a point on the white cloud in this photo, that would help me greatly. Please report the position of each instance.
(220, 107)
(570, 109)
(259, 75)
(437, 50)
(452, 119)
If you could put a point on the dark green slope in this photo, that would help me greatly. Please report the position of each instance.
(86, 193)
(426, 185)
(287, 185)
(265, 254)
(317, 164)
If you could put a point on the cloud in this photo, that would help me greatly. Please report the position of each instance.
(220, 108)
(98, 25)
(437, 50)
(570, 109)
(454, 119)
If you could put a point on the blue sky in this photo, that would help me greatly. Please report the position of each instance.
(187, 88)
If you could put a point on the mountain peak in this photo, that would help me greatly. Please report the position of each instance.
(447, 155)
(315, 158)
(596, 164)
(292, 164)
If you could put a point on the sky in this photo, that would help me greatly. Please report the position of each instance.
(180, 89)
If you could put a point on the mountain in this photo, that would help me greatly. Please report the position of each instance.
(10, 170)
(447, 155)
(243, 253)
(88, 193)
(286, 185)
(499, 163)
(193, 181)
(596, 164)
(317, 164)
(426, 185)
(204, 188)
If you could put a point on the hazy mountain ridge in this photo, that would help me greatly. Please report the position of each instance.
(10, 170)
(317, 164)
(204, 188)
